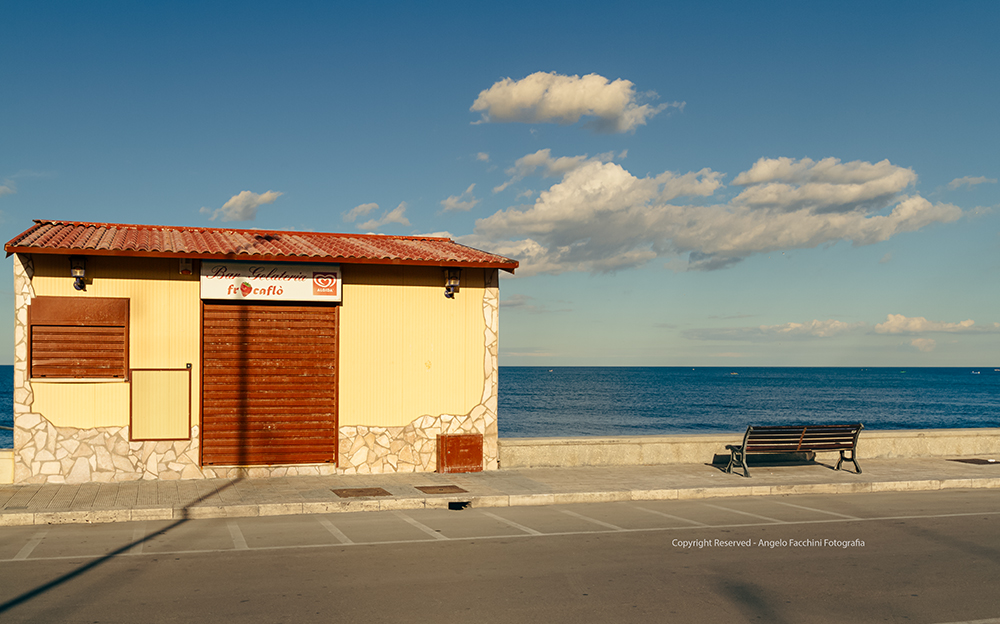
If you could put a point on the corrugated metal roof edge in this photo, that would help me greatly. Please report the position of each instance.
(12, 248)
(507, 266)
(185, 228)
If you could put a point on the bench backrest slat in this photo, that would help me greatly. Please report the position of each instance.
(789, 439)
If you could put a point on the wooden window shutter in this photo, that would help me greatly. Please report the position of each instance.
(74, 337)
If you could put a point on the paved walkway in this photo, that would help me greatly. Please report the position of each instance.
(213, 498)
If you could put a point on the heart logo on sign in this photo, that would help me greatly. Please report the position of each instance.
(325, 284)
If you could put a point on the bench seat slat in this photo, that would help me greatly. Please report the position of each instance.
(779, 448)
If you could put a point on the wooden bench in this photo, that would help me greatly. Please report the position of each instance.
(796, 439)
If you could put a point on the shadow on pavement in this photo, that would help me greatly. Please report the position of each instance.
(41, 589)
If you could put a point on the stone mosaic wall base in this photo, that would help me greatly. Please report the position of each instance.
(413, 448)
(45, 453)
(49, 454)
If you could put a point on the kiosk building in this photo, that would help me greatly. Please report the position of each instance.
(155, 352)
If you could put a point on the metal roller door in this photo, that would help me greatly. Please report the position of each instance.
(269, 384)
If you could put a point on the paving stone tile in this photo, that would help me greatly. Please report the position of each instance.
(86, 494)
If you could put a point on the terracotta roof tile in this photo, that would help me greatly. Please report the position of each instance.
(115, 239)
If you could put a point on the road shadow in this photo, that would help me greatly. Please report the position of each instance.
(69, 576)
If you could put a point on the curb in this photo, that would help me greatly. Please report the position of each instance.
(21, 518)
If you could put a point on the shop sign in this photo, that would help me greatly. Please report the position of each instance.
(270, 281)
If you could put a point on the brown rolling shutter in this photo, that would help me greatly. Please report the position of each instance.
(269, 376)
(85, 337)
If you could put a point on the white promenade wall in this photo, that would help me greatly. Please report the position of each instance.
(702, 448)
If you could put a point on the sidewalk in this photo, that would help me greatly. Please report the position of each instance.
(214, 498)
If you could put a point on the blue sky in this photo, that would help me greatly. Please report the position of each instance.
(730, 184)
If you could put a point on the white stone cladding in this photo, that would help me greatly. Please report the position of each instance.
(23, 293)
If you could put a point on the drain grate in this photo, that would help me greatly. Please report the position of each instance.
(360, 492)
(440, 489)
(976, 460)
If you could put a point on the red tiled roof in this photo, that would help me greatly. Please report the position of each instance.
(114, 239)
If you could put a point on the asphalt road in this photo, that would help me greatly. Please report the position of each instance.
(925, 557)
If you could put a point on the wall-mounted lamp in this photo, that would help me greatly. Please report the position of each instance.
(452, 280)
(78, 270)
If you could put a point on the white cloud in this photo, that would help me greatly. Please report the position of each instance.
(894, 324)
(824, 186)
(900, 324)
(527, 303)
(556, 98)
(924, 344)
(530, 353)
(520, 302)
(464, 202)
(600, 218)
(242, 207)
(359, 211)
(441, 234)
(815, 328)
(396, 215)
(483, 157)
(886, 259)
(785, 331)
(9, 186)
(542, 160)
(806, 170)
(970, 181)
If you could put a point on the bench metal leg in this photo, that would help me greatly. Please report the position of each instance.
(733, 463)
(852, 459)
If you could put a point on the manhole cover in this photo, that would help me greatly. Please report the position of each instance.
(976, 460)
(359, 492)
(440, 489)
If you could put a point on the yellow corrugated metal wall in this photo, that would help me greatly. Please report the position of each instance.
(164, 331)
(405, 349)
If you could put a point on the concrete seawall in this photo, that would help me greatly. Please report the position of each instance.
(6, 466)
(702, 448)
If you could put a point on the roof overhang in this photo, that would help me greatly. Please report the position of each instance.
(150, 241)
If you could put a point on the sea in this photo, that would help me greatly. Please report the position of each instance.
(612, 401)
(606, 401)
(6, 406)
